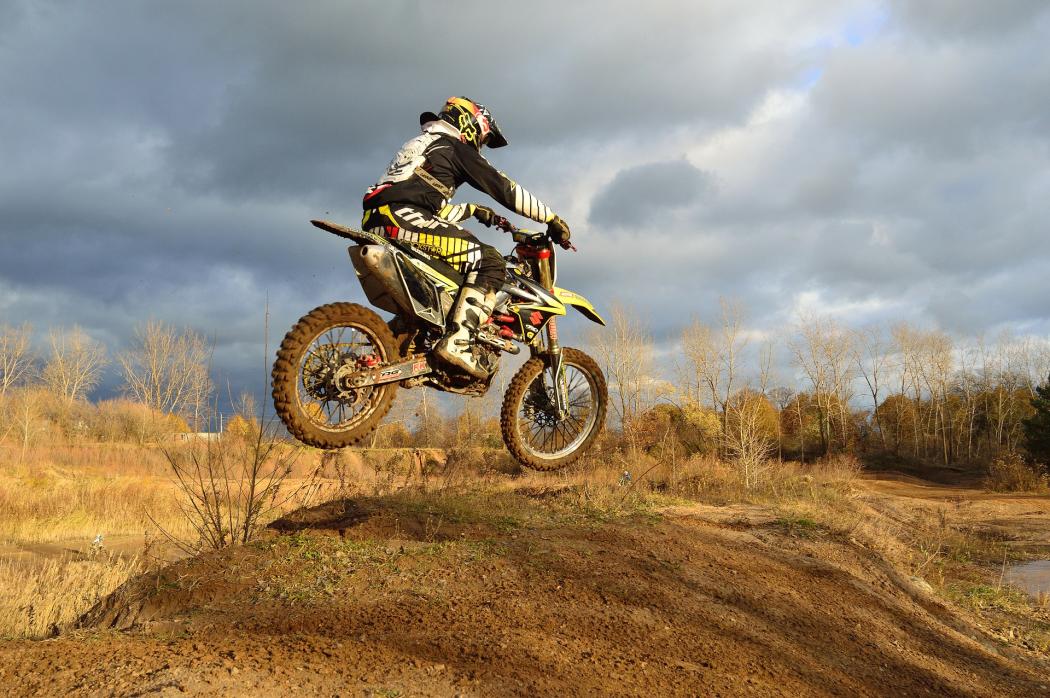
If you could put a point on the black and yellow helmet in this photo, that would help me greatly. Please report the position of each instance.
(474, 121)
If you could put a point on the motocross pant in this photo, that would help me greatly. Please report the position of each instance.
(441, 239)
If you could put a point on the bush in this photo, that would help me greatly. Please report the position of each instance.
(668, 431)
(125, 421)
(1010, 473)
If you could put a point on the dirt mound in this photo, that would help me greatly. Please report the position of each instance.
(519, 595)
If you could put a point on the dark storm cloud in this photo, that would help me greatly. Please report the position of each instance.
(634, 193)
(334, 85)
(161, 160)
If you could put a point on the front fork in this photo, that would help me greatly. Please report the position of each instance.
(551, 353)
(554, 365)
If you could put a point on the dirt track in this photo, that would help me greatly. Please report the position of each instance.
(373, 598)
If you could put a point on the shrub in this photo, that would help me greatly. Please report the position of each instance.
(1010, 473)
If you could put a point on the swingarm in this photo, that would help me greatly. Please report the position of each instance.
(408, 368)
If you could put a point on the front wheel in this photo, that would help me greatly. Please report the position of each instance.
(531, 428)
(312, 390)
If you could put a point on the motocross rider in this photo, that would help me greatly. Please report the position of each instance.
(411, 202)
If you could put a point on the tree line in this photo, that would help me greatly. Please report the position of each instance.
(166, 384)
(817, 389)
(821, 388)
(166, 388)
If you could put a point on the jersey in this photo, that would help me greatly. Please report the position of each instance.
(429, 168)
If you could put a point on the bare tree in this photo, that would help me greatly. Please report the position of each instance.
(765, 368)
(871, 361)
(968, 383)
(229, 487)
(1033, 359)
(700, 374)
(75, 365)
(16, 355)
(25, 417)
(826, 353)
(906, 343)
(781, 397)
(625, 351)
(807, 348)
(749, 434)
(167, 369)
(935, 365)
(713, 356)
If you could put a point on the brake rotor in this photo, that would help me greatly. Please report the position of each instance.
(317, 375)
(539, 407)
(326, 375)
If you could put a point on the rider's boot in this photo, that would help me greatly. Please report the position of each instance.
(472, 309)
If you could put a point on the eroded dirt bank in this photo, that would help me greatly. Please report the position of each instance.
(519, 595)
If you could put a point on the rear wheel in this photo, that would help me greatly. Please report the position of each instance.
(531, 428)
(311, 391)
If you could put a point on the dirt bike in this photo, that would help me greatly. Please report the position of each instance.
(339, 367)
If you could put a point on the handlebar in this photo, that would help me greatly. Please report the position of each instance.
(532, 235)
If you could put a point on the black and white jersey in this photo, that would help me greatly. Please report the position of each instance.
(429, 168)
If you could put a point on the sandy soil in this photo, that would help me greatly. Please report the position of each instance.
(358, 599)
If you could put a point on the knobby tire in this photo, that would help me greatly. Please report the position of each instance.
(286, 374)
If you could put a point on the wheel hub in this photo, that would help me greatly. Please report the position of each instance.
(330, 379)
(540, 409)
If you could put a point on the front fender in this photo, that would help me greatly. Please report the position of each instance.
(580, 303)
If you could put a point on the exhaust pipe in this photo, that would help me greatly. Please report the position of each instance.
(377, 271)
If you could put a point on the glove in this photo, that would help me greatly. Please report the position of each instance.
(558, 231)
(485, 215)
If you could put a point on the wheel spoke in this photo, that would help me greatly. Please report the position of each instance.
(325, 403)
(541, 431)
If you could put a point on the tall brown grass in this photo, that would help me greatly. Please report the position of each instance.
(40, 596)
(50, 507)
(70, 492)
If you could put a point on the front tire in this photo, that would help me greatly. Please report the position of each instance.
(315, 407)
(531, 430)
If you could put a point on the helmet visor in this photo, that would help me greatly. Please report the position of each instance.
(494, 137)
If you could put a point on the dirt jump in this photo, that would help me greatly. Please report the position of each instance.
(514, 593)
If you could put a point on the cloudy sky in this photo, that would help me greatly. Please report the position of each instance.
(877, 161)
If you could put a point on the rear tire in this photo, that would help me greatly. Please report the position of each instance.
(304, 414)
(523, 446)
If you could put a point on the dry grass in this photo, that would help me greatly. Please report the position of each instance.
(79, 460)
(81, 491)
(48, 507)
(38, 597)
(78, 492)
(73, 492)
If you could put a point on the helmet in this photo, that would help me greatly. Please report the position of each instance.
(474, 121)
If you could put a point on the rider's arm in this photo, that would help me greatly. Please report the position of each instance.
(481, 175)
(454, 213)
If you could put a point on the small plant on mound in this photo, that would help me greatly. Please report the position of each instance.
(1010, 473)
(231, 486)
